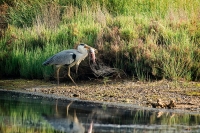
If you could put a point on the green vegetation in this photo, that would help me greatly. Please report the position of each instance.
(146, 39)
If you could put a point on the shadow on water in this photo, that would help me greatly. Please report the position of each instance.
(26, 113)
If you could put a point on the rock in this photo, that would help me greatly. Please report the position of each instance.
(171, 104)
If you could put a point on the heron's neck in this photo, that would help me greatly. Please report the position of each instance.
(83, 51)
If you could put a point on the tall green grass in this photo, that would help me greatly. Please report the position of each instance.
(147, 39)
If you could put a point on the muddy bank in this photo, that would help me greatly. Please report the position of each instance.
(186, 95)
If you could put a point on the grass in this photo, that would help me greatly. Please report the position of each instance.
(147, 39)
(194, 93)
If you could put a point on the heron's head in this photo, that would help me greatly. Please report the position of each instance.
(85, 46)
(81, 48)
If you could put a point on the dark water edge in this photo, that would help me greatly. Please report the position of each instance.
(29, 112)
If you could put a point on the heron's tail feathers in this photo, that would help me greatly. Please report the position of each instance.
(47, 62)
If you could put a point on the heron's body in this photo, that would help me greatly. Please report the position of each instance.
(68, 57)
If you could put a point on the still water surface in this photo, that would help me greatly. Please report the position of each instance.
(26, 113)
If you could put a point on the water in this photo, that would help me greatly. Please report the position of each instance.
(26, 113)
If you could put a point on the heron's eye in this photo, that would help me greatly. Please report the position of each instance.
(82, 44)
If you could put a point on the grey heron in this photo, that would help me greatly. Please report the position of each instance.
(70, 58)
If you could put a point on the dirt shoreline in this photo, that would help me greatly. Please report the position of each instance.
(186, 95)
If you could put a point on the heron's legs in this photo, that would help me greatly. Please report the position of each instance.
(58, 69)
(70, 76)
(77, 68)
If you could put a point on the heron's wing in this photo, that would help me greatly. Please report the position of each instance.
(65, 57)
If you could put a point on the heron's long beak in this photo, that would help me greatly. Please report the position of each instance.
(88, 47)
